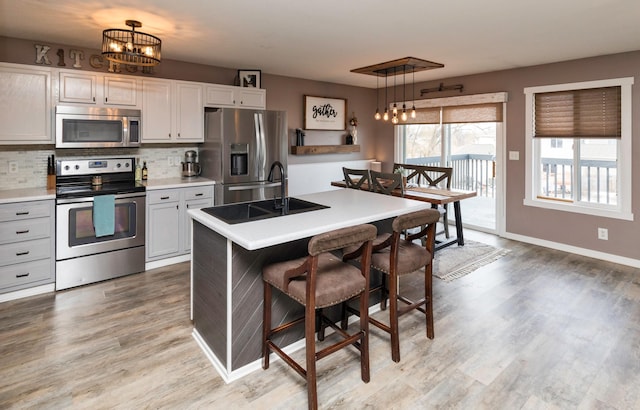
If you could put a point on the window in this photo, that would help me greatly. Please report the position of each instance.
(579, 147)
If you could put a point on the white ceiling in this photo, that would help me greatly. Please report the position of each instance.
(324, 39)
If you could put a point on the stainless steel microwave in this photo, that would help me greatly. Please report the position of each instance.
(95, 127)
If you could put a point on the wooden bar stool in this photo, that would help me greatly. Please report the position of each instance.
(396, 255)
(317, 281)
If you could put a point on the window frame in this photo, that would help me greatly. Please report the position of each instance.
(622, 210)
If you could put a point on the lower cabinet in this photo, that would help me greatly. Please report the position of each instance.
(168, 225)
(27, 245)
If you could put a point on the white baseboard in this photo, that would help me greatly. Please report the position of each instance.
(166, 262)
(19, 294)
(574, 249)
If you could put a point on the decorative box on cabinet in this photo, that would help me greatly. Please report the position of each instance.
(168, 224)
(27, 245)
(25, 105)
(98, 89)
(236, 97)
(172, 111)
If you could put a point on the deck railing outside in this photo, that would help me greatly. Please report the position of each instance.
(477, 172)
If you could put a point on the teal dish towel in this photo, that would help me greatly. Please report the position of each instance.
(104, 215)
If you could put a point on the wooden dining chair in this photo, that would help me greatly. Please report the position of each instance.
(318, 281)
(437, 177)
(400, 255)
(357, 178)
(386, 183)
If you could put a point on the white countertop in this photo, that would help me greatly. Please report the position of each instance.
(167, 183)
(348, 207)
(8, 196)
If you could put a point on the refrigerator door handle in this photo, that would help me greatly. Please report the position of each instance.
(261, 156)
(253, 186)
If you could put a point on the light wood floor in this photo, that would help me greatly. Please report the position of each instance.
(536, 329)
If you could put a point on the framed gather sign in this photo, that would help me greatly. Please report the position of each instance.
(322, 113)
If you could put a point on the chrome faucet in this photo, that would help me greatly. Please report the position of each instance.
(283, 177)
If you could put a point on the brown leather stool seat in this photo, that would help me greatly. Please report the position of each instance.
(394, 256)
(317, 281)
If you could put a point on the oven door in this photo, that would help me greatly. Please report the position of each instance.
(75, 234)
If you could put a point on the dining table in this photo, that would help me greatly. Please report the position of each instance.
(436, 196)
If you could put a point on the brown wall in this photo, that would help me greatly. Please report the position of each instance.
(556, 226)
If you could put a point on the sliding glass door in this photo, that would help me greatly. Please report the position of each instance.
(470, 149)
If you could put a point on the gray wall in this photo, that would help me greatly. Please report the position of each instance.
(376, 138)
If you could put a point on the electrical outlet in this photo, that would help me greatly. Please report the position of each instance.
(170, 161)
(514, 155)
(13, 167)
(603, 234)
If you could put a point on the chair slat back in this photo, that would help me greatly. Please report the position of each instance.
(386, 183)
(356, 178)
(432, 176)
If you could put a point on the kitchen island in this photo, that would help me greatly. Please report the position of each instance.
(226, 270)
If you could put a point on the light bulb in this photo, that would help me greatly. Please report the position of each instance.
(413, 112)
(394, 119)
(377, 116)
(395, 109)
(404, 115)
(386, 115)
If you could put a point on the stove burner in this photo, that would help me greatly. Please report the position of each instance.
(76, 178)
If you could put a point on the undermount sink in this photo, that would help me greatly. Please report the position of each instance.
(254, 211)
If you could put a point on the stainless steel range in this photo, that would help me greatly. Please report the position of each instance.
(85, 254)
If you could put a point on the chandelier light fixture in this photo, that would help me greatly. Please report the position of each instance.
(394, 68)
(131, 47)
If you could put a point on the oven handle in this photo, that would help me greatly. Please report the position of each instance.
(61, 201)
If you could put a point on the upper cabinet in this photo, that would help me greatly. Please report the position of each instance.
(25, 105)
(98, 89)
(238, 97)
(172, 111)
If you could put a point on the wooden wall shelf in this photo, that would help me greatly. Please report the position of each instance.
(323, 149)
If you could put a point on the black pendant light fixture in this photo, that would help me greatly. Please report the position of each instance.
(385, 116)
(131, 47)
(377, 116)
(403, 117)
(413, 94)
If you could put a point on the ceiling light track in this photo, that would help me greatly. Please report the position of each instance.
(442, 87)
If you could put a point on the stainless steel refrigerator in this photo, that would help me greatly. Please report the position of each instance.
(240, 146)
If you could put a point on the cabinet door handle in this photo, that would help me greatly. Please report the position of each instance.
(177, 206)
(164, 197)
(94, 99)
(22, 213)
(22, 253)
(106, 99)
(23, 275)
(21, 232)
(200, 194)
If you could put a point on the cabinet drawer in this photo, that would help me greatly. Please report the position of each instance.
(198, 192)
(23, 273)
(28, 229)
(25, 251)
(158, 197)
(25, 210)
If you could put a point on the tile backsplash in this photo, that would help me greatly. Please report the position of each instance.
(27, 168)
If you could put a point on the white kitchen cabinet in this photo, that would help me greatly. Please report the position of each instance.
(97, 89)
(27, 245)
(157, 111)
(168, 223)
(237, 97)
(25, 105)
(189, 112)
(172, 111)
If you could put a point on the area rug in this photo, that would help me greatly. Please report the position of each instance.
(454, 262)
